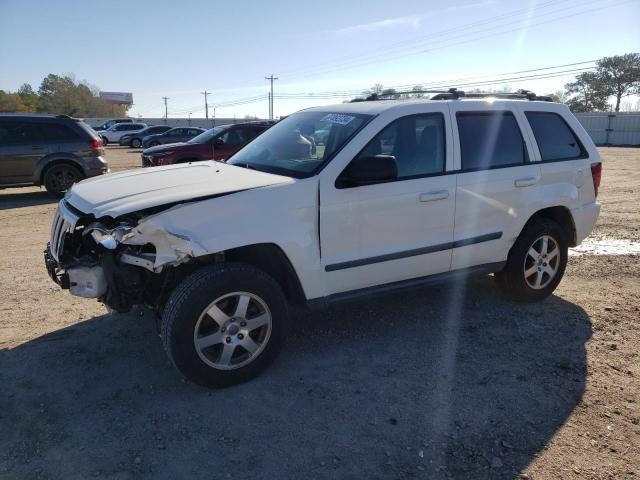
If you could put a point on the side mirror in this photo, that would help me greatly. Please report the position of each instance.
(368, 171)
(218, 142)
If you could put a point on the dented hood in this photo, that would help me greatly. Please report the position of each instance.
(119, 193)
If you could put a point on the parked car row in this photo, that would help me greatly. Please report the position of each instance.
(135, 139)
(217, 143)
(56, 151)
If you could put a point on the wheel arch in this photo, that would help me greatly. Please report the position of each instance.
(562, 216)
(267, 257)
(46, 163)
(270, 258)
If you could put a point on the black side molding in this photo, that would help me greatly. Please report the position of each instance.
(363, 293)
(412, 253)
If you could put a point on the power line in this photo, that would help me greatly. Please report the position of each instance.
(358, 62)
(439, 33)
(447, 82)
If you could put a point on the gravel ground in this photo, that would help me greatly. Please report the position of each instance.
(444, 382)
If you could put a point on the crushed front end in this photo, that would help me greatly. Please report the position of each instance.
(108, 259)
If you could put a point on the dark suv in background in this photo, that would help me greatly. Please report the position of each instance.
(51, 150)
(174, 135)
(134, 140)
(217, 143)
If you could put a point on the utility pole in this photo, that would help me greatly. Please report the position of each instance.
(166, 111)
(206, 105)
(271, 78)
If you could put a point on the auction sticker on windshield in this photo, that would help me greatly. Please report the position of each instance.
(338, 118)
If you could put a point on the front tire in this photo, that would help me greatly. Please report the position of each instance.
(136, 143)
(59, 178)
(154, 143)
(105, 141)
(536, 262)
(224, 324)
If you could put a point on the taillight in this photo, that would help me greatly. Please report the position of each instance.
(596, 174)
(96, 145)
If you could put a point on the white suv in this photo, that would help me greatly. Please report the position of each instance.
(331, 204)
(114, 132)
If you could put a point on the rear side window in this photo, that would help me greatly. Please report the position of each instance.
(417, 142)
(556, 141)
(17, 133)
(54, 132)
(490, 140)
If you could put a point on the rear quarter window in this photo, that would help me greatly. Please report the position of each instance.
(555, 139)
(54, 132)
(490, 140)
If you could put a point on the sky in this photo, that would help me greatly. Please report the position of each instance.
(179, 49)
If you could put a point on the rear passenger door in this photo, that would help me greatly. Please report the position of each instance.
(496, 184)
(62, 138)
(564, 164)
(21, 146)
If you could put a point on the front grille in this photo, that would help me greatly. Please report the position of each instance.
(63, 222)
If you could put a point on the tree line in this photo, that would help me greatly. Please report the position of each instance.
(614, 79)
(60, 94)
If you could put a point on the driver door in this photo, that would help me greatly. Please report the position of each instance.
(397, 230)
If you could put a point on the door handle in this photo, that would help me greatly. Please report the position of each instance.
(433, 196)
(526, 182)
(36, 147)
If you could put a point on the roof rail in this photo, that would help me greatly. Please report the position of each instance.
(455, 94)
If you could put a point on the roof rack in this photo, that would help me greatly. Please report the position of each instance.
(455, 94)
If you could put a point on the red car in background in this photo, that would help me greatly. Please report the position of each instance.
(217, 143)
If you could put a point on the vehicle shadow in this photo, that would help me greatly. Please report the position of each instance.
(446, 382)
(13, 198)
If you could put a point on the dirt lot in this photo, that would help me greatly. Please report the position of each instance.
(445, 382)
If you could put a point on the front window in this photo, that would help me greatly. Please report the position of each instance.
(298, 145)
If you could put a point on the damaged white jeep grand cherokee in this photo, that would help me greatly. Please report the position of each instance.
(331, 204)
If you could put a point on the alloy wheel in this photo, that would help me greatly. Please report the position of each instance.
(541, 262)
(232, 330)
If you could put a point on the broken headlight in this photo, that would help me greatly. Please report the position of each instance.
(110, 238)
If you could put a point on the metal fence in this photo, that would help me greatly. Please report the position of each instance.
(605, 128)
(621, 129)
(178, 122)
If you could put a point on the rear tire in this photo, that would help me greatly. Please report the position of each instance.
(105, 141)
(59, 178)
(536, 262)
(224, 324)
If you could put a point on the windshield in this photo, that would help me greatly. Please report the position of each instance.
(207, 135)
(299, 144)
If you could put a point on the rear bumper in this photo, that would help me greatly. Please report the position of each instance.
(98, 166)
(585, 218)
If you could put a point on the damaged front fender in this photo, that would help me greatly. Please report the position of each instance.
(171, 248)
